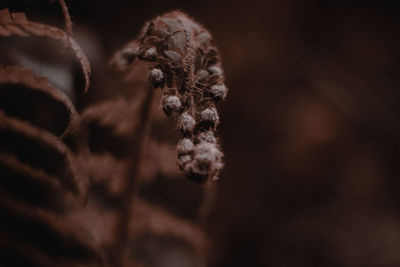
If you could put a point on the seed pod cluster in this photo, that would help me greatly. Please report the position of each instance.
(187, 68)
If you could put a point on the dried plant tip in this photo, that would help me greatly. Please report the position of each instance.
(171, 103)
(186, 122)
(156, 77)
(209, 117)
(185, 59)
(219, 91)
(150, 54)
(205, 164)
(185, 146)
(207, 136)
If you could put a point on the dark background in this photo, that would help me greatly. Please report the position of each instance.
(310, 127)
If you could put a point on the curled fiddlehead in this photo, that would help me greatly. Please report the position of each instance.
(187, 68)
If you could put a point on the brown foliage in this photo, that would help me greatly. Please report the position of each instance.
(70, 184)
(17, 24)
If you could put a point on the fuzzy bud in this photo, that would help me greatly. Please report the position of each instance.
(207, 136)
(150, 54)
(185, 146)
(186, 122)
(203, 38)
(209, 117)
(184, 161)
(171, 103)
(205, 164)
(215, 70)
(156, 77)
(202, 75)
(219, 91)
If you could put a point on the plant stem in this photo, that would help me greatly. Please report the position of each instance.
(133, 182)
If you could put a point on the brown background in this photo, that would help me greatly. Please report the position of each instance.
(310, 127)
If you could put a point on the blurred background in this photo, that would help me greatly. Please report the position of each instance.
(310, 127)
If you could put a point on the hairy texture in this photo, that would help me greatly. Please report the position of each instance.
(185, 146)
(205, 161)
(207, 136)
(187, 68)
(186, 122)
(17, 24)
(156, 76)
(171, 103)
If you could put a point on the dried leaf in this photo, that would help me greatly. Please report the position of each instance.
(161, 158)
(155, 220)
(118, 114)
(19, 18)
(44, 93)
(55, 158)
(18, 25)
(36, 227)
(39, 188)
(5, 16)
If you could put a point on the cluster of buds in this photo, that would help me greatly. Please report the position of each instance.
(187, 68)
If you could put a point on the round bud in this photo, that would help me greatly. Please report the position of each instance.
(207, 136)
(183, 162)
(202, 75)
(156, 77)
(219, 91)
(171, 103)
(150, 54)
(185, 146)
(215, 70)
(203, 38)
(209, 117)
(205, 164)
(186, 122)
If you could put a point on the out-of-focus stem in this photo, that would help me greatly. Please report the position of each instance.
(208, 199)
(132, 183)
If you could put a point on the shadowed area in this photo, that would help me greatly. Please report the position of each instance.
(310, 128)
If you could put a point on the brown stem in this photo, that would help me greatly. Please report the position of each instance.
(132, 183)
